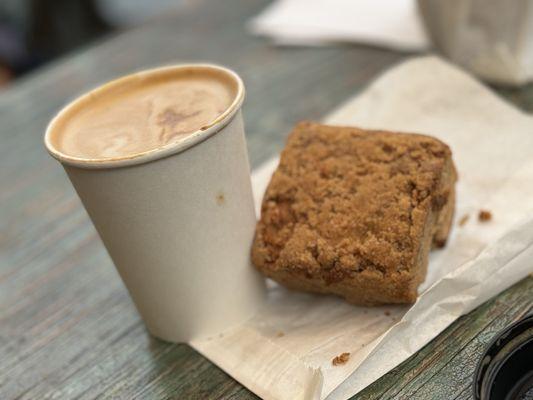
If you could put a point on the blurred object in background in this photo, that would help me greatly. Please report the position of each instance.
(128, 13)
(59, 26)
(14, 54)
(491, 38)
(33, 32)
(391, 24)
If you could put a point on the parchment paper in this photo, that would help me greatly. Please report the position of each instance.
(286, 350)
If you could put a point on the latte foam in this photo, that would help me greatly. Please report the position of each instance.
(142, 113)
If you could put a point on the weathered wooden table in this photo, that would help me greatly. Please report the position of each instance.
(67, 326)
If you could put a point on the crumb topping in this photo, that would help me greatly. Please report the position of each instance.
(344, 200)
(340, 359)
(484, 216)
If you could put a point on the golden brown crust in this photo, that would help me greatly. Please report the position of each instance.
(354, 212)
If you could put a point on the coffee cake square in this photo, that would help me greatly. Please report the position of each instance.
(354, 212)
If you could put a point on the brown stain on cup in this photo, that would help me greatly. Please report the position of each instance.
(220, 198)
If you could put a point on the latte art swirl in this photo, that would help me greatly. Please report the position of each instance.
(144, 115)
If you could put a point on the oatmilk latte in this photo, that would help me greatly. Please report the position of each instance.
(144, 114)
(158, 159)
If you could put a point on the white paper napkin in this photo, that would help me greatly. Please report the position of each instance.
(286, 350)
(392, 24)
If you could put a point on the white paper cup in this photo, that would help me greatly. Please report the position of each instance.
(178, 221)
(490, 38)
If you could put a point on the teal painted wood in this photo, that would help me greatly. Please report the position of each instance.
(67, 326)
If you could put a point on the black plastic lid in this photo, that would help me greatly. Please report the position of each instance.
(505, 371)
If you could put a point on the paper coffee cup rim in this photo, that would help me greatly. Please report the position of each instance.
(153, 154)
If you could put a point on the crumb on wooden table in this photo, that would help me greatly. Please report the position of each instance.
(387, 313)
(484, 215)
(464, 220)
(280, 334)
(341, 359)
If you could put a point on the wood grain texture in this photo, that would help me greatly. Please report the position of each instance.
(68, 329)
